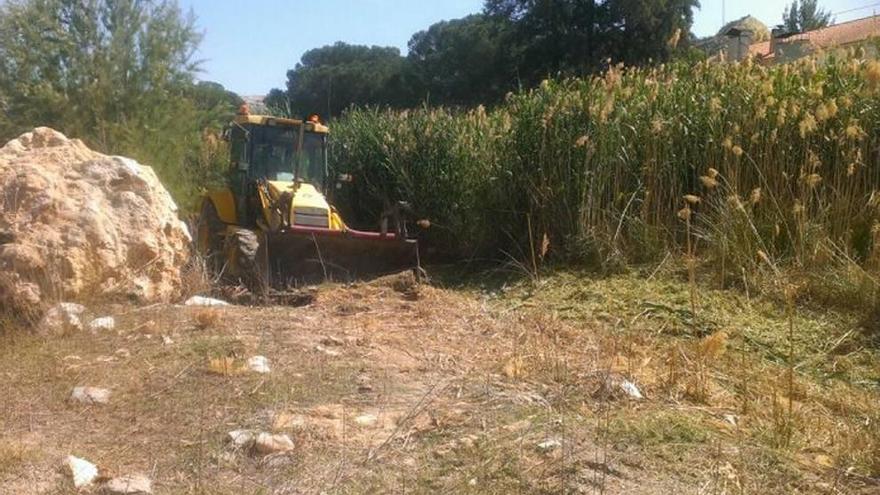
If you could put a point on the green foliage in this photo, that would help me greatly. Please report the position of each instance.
(278, 103)
(330, 79)
(461, 62)
(480, 58)
(780, 158)
(805, 15)
(117, 74)
(576, 37)
(436, 159)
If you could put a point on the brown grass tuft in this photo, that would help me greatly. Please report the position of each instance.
(207, 318)
(225, 366)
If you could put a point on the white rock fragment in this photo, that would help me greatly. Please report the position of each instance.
(90, 395)
(241, 438)
(630, 389)
(267, 443)
(258, 364)
(549, 445)
(62, 318)
(166, 340)
(83, 471)
(204, 301)
(104, 323)
(366, 420)
(136, 484)
(327, 352)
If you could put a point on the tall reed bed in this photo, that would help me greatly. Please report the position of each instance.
(777, 163)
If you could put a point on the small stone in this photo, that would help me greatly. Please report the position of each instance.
(549, 445)
(240, 438)
(823, 460)
(104, 323)
(83, 471)
(90, 395)
(286, 421)
(267, 443)
(467, 441)
(366, 420)
(258, 364)
(166, 340)
(329, 340)
(149, 327)
(328, 352)
(123, 353)
(137, 484)
(364, 383)
(62, 318)
(204, 301)
(630, 389)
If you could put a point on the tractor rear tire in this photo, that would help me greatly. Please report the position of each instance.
(243, 252)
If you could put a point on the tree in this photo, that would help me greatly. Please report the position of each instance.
(640, 31)
(214, 102)
(576, 37)
(330, 79)
(116, 73)
(552, 36)
(278, 103)
(460, 62)
(805, 15)
(85, 67)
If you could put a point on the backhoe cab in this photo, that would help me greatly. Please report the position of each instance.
(273, 225)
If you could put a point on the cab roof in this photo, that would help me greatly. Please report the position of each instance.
(269, 120)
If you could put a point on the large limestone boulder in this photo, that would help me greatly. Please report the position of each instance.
(76, 222)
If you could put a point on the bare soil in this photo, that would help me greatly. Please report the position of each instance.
(390, 387)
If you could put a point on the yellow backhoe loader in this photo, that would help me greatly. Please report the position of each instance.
(272, 225)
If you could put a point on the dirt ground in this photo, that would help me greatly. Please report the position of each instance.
(389, 387)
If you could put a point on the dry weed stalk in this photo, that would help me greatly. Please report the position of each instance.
(686, 214)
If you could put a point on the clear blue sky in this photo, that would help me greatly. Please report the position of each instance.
(249, 45)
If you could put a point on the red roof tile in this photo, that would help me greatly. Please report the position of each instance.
(840, 34)
(761, 49)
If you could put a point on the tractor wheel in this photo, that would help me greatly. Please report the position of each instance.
(209, 237)
(243, 253)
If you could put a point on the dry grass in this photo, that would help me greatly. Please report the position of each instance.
(463, 388)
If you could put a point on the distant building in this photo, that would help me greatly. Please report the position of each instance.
(784, 47)
(733, 41)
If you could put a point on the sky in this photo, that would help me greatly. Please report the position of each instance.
(248, 46)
